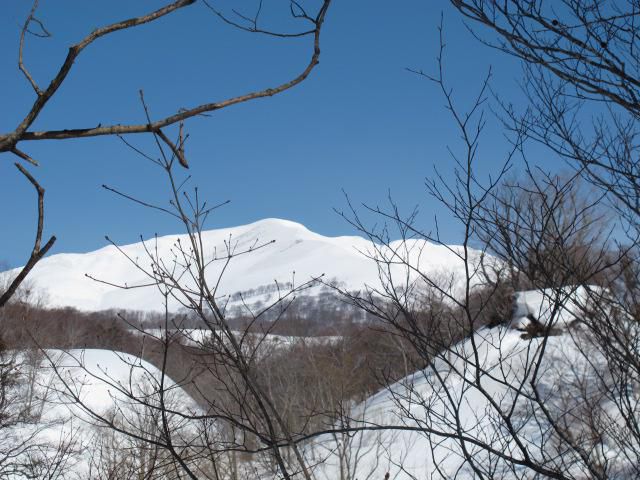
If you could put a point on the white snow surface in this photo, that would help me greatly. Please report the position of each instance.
(419, 402)
(297, 256)
(102, 378)
(66, 392)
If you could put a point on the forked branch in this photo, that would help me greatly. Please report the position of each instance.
(38, 251)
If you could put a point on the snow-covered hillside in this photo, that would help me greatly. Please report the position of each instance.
(482, 390)
(296, 256)
(60, 398)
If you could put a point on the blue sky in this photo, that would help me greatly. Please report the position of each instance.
(361, 123)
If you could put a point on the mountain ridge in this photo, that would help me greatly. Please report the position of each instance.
(297, 255)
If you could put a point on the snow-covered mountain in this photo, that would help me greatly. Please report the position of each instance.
(296, 256)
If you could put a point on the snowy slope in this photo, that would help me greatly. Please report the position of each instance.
(419, 402)
(408, 454)
(61, 433)
(297, 256)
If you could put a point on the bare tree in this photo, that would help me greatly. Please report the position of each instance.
(581, 79)
(543, 392)
(237, 414)
(169, 451)
(259, 401)
(544, 221)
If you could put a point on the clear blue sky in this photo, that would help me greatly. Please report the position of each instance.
(361, 122)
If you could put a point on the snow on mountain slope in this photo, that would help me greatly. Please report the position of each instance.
(296, 249)
(446, 398)
(58, 432)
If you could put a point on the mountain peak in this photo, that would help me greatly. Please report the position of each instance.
(297, 249)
